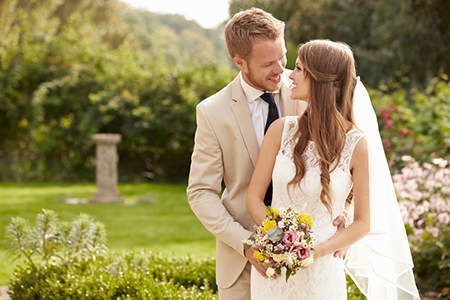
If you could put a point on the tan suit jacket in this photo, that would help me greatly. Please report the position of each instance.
(226, 149)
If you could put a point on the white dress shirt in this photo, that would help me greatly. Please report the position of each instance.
(259, 109)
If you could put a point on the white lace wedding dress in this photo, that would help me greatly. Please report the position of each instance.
(325, 278)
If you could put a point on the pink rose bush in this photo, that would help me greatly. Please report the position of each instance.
(283, 240)
(424, 195)
(423, 191)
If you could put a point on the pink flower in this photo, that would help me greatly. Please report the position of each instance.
(389, 124)
(303, 253)
(290, 237)
(439, 176)
(279, 247)
(440, 205)
(420, 209)
(417, 195)
(386, 143)
(407, 158)
(391, 104)
(418, 232)
(385, 115)
(398, 177)
(427, 166)
(420, 222)
(435, 231)
(382, 110)
(444, 218)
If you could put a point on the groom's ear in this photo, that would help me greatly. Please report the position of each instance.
(240, 62)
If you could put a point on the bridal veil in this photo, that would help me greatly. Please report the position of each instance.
(381, 263)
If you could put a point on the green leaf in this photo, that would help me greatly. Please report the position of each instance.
(275, 234)
(288, 273)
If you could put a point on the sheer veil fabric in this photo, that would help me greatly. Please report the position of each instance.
(381, 263)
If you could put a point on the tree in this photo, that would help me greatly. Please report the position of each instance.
(391, 39)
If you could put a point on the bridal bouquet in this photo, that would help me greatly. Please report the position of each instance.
(283, 240)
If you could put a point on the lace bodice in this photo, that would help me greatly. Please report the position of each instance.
(325, 278)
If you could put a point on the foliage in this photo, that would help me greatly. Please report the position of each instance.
(415, 124)
(424, 199)
(353, 293)
(74, 263)
(69, 70)
(56, 242)
(153, 212)
(391, 39)
(177, 38)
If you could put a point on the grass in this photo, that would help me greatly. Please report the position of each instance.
(159, 219)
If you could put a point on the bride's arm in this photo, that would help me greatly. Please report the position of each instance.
(360, 227)
(263, 171)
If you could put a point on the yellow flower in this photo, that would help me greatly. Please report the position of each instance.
(258, 255)
(275, 212)
(269, 225)
(306, 219)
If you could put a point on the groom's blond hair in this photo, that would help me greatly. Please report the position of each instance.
(248, 26)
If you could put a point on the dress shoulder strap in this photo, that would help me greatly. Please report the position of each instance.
(353, 137)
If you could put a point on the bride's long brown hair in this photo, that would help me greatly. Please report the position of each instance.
(331, 69)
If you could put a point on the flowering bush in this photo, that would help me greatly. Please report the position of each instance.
(424, 199)
(415, 123)
(394, 122)
(283, 240)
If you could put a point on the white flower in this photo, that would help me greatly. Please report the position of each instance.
(440, 162)
(307, 261)
(270, 272)
(279, 257)
(290, 259)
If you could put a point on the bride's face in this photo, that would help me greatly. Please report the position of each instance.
(300, 83)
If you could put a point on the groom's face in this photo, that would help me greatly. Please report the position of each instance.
(265, 65)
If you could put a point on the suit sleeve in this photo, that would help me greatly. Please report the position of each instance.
(205, 183)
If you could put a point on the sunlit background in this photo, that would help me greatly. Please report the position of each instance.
(207, 13)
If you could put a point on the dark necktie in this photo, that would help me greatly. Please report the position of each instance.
(271, 116)
(273, 111)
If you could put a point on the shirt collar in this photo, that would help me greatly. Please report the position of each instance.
(251, 94)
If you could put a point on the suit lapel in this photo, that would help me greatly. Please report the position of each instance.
(244, 120)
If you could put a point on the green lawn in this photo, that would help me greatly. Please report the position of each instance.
(159, 218)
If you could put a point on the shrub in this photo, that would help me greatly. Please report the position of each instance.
(424, 199)
(414, 123)
(71, 261)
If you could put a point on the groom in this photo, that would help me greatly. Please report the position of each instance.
(230, 129)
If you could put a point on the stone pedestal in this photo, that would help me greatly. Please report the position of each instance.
(106, 168)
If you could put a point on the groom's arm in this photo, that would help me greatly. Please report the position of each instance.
(205, 185)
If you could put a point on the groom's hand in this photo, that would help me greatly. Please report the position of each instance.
(255, 262)
(341, 223)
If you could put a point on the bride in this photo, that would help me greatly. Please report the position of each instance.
(314, 160)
